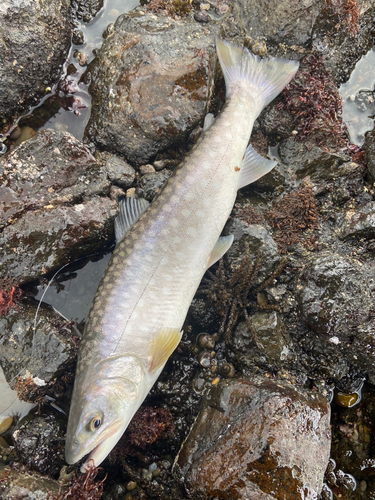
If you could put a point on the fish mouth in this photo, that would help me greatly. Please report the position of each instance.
(108, 440)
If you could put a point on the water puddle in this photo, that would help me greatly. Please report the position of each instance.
(358, 107)
(68, 106)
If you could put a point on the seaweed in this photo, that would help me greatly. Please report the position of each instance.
(174, 8)
(292, 215)
(230, 292)
(347, 9)
(82, 487)
(314, 102)
(9, 293)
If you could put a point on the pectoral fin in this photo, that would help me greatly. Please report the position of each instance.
(164, 343)
(253, 167)
(223, 244)
(131, 209)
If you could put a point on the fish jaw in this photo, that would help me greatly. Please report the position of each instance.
(100, 448)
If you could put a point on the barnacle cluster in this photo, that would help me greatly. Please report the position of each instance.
(231, 292)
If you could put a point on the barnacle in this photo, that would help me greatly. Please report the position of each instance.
(230, 292)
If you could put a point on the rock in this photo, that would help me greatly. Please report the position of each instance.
(120, 172)
(359, 223)
(86, 10)
(257, 440)
(148, 89)
(41, 355)
(50, 237)
(334, 296)
(258, 240)
(369, 148)
(271, 334)
(21, 485)
(5, 423)
(314, 162)
(341, 40)
(287, 23)
(153, 182)
(51, 168)
(35, 41)
(362, 351)
(39, 440)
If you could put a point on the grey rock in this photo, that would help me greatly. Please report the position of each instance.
(43, 354)
(153, 182)
(39, 440)
(148, 89)
(52, 168)
(259, 240)
(120, 172)
(369, 148)
(45, 239)
(86, 10)
(18, 485)
(314, 162)
(35, 41)
(359, 223)
(249, 441)
(334, 295)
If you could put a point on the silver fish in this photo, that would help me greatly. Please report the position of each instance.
(138, 311)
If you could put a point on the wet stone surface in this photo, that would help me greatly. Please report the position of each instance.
(149, 91)
(20, 484)
(39, 440)
(26, 74)
(257, 439)
(360, 223)
(43, 354)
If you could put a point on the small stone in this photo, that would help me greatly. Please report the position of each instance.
(131, 485)
(204, 359)
(201, 17)
(146, 475)
(146, 169)
(206, 341)
(156, 472)
(5, 423)
(259, 48)
(78, 37)
(81, 58)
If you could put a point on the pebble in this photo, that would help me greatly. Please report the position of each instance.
(5, 423)
(131, 485)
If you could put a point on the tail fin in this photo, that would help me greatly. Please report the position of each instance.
(267, 76)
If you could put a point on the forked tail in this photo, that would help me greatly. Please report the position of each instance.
(267, 76)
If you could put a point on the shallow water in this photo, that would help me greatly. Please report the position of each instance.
(358, 107)
(10, 404)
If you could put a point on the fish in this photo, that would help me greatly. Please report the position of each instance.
(162, 252)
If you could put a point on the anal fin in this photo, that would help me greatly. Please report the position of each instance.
(222, 246)
(164, 343)
(131, 209)
(254, 166)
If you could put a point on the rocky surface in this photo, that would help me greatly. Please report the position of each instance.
(31, 58)
(280, 326)
(144, 100)
(258, 440)
(21, 484)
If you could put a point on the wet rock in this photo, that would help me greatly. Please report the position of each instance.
(369, 148)
(362, 352)
(334, 296)
(148, 89)
(153, 182)
(271, 337)
(41, 355)
(35, 41)
(39, 440)
(21, 485)
(260, 246)
(120, 172)
(260, 439)
(288, 23)
(314, 162)
(359, 223)
(86, 10)
(276, 123)
(50, 169)
(341, 39)
(48, 238)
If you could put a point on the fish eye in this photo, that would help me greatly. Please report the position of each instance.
(94, 423)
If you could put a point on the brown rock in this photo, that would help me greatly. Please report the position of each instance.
(257, 440)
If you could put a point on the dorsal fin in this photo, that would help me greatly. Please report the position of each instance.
(254, 166)
(131, 209)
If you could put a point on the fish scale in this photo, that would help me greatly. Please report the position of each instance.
(135, 320)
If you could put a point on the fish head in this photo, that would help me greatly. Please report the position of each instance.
(99, 414)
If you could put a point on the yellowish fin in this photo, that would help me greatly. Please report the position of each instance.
(162, 346)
